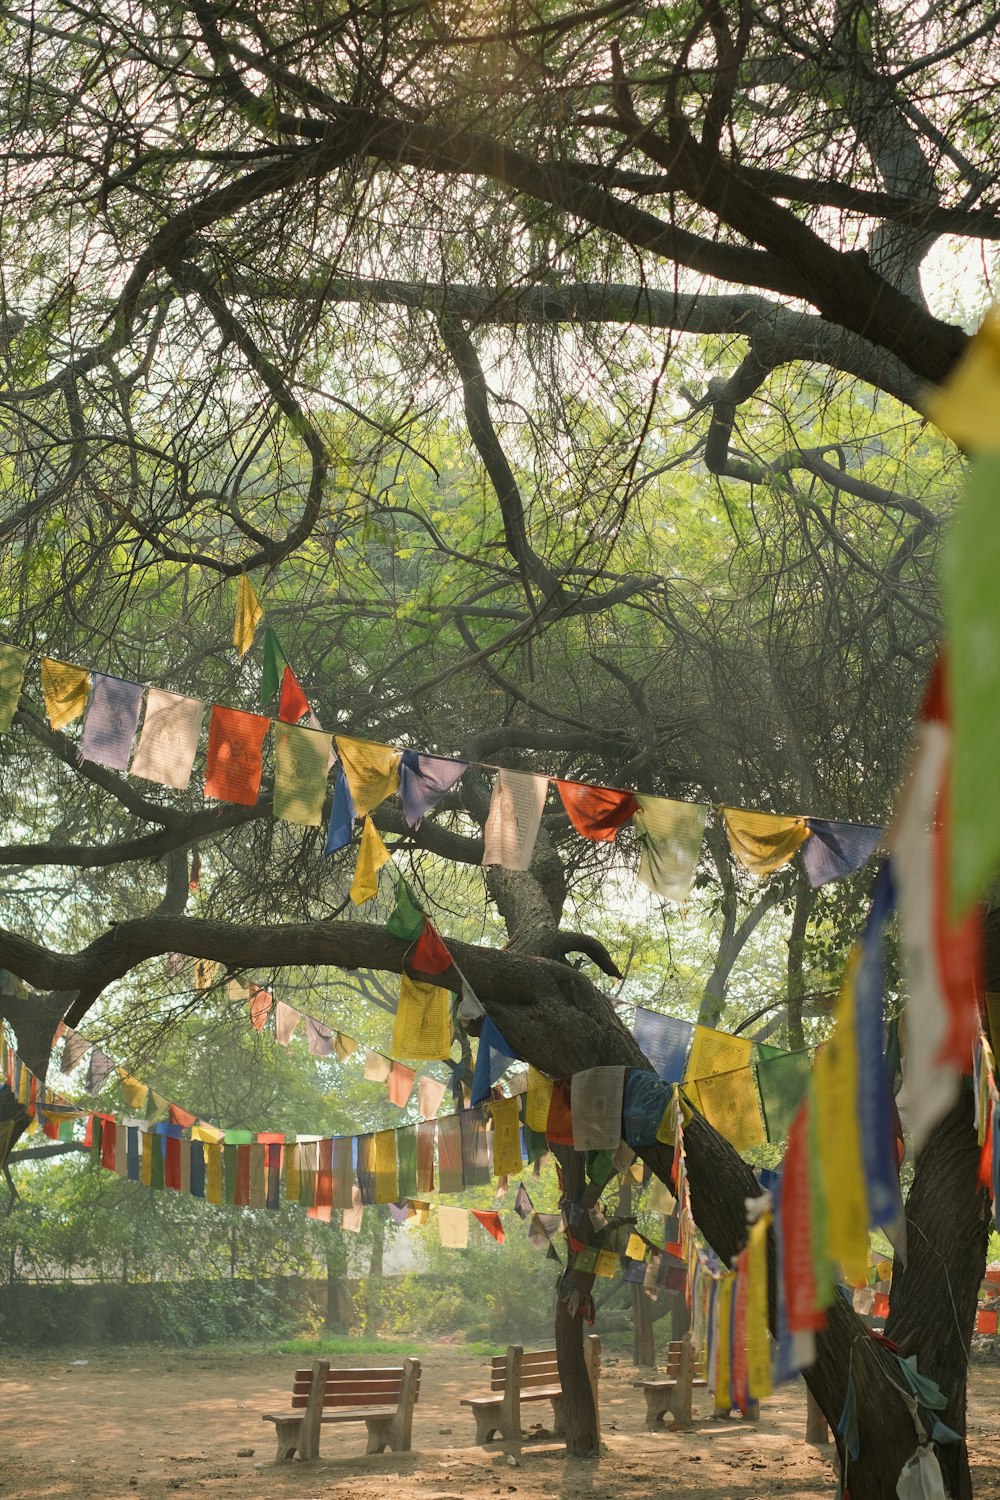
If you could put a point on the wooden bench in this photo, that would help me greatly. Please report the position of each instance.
(516, 1377)
(672, 1391)
(382, 1398)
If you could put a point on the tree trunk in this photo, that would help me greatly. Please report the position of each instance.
(339, 1308)
(582, 1437)
(804, 900)
(373, 1283)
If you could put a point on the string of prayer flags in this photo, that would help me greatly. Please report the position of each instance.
(13, 662)
(110, 721)
(424, 780)
(664, 1040)
(596, 812)
(372, 772)
(64, 691)
(234, 763)
(169, 739)
(514, 818)
(422, 1030)
(372, 855)
(248, 615)
(430, 956)
(782, 1078)
(596, 1103)
(763, 842)
(491, 1222)
(300, 774)
(941, 959)
(494, 1057)
(453, 1226)
(834, 850)
(669, 835)
(342, 816)
(407, 917)
(286, 1020)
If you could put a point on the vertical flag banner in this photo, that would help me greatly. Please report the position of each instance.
(110, 721)
(670, 835)
(169, 739)
(64, 689)
(514, 819)
(234, 765)
(248, 615)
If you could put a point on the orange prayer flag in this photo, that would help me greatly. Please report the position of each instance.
(260, 1007)
(596, 811)
(234, 766)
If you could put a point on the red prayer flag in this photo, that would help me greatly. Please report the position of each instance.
(430, 956)
(324, 1175)
(88, 1132)
(260, 1007)
(172, 1163)
(181, 1117)
(596, 811)
(796, 1217)
(400, 1083)
(880, 1308)
(293, 702)
(492, 1223)
(109, 1134)
(986, 1154)
(986, 1320)
(233, 767)
(242, 1192)
(559, 1126)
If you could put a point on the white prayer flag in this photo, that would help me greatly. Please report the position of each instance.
(453, 1226)
(376, 1067)
(110, 720)
(169, 738)
(596, 1096)
(514, 819)
(286, 1018)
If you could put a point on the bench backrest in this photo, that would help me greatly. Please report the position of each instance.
(673, 1367)
(375, 1387)
(537, 1368)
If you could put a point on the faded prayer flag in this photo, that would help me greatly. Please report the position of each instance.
(834, 850)
(169, 739)
(424, 780)
(664, 1041)
(514, 819)
(110, 721)
(64, 689)
(301, 757)
(12, 664)
(669, 835)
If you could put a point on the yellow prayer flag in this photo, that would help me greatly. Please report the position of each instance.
(763, 842)
(248, 615)
(291, 1172)
(372, 771)
(146, 1163)
(372, 855)
(136, 1093)
(723, 1381)
(386, 1171)
(423, 1021)
(842, 1171)
(210, 1134)
(65, 690)
(344, 1046)
(966, 405)
(636, 1248)
(507, 1157)
(537, 1101)
(758, 1343)
(453, 1224)
(729, 1103)
(213, 1172)
(713, 1052)
(420, 1212)
(606, 1264)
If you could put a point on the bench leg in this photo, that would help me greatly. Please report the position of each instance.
(379, 1433)
(558, 1417)
(288, 1438)
(487, 1422)
(657, 1403)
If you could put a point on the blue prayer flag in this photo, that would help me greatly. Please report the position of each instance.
(424, 780)
(341, 829)
(834, 850)
(664, 1040)
(110, 721)
(492, 1060)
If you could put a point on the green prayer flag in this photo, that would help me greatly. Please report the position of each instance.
(12, 664)
(274, 666)
(407, 919)
(826, 1289)
(586, 1259)
(301, 763)
(156, 1172)
(229, 1159)
(782, 1078)
(406, 1161)
(972, 634)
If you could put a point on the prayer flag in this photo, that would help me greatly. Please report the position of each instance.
(12, 664)
(782, 1078)
(669, 835)
(169, 739)
(494, 1057)
(274, 665)
(453, 1225)
(476, 1148)
(763, 842)
(875, 1105)
(537, 1100)
(353, 1217)
(719, 1082)
(507, 1157)
(596, 1103)
(286, 1019)
(372, 855)
(514, 819)
(234, 766)
(596, 812)
(400, 1084)
(758, 1341)
(423, 1021)
(559, 1124)
(293, 704)
(423, 781)
(74, 1047)
(523, 1205)
(407, 918)
(100, 1069)
(430, 1092)
(967, 403)
(248, 615)
(493, 1224)
(645, 1099)
(406, 1160)
(64, 689)
(664, 1040)
(833, 850)
(300, 771)
(372, 772)
(451, 1178)
(261, 1002)
(430, 956)
(606, 1264)
(110, 721)
(341, 829)
(426, 1136)
(376, 1067)
(320, 1037)
(342, 1172)
(386, 1173)
(136, 1093)
(182, 1117)
(344, 1046)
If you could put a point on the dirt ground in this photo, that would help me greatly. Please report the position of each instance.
(152, 1424)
